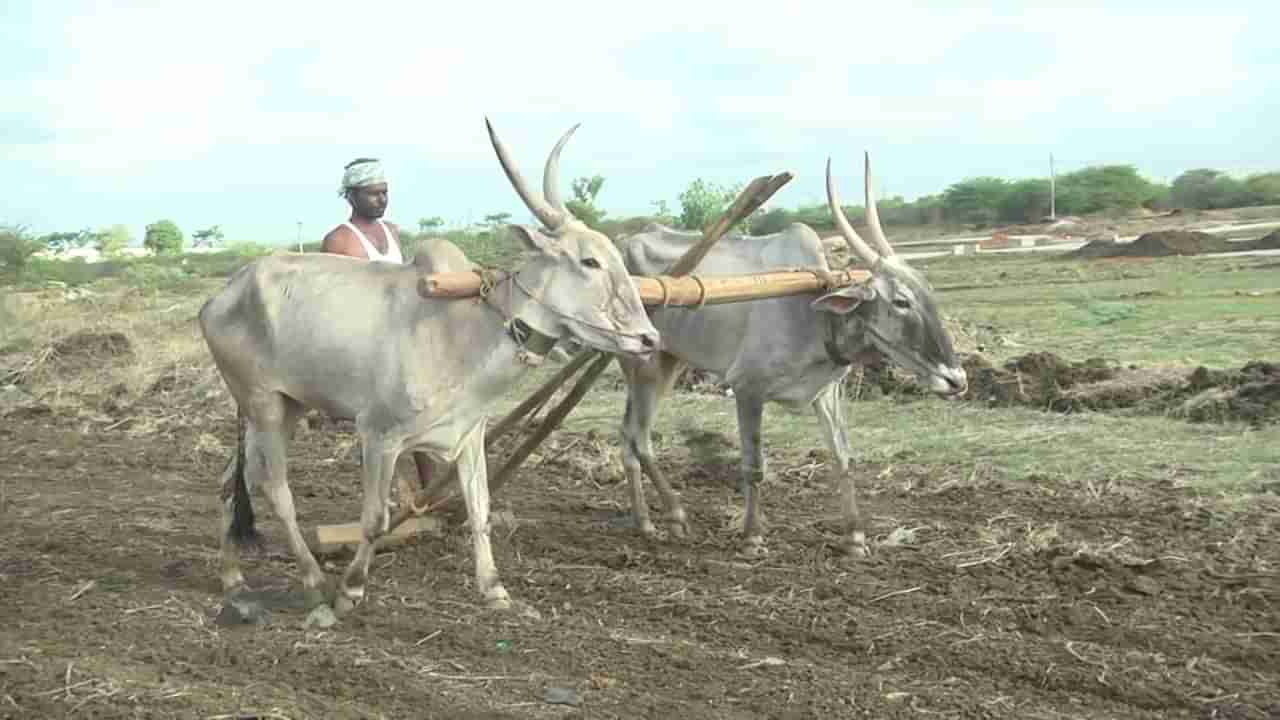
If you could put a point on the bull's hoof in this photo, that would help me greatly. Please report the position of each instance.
(498, 599)
(344, 604)
(753, 548)
(855, 546)
(679, 529)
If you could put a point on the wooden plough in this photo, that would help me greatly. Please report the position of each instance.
(677, 287)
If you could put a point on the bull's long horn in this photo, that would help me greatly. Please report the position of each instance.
(551, 175)
(545, 213)
(873, 215)
(857, 245)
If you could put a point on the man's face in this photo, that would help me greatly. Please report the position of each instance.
(369, 201)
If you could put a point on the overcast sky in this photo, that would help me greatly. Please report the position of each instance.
(244, 114)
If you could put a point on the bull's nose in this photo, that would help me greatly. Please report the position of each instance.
(649, 340)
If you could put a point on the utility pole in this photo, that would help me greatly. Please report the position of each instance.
(1053, 205)
(299, 236)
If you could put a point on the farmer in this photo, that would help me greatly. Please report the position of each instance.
(366, 235)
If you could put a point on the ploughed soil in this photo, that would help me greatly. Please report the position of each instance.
(984, 597)
(1163, 243)
(1250, 393)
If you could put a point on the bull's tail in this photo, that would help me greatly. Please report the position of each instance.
(241, 531)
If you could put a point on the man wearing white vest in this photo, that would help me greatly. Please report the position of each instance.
(366, 235)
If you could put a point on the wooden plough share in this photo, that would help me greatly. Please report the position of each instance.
(675, 287)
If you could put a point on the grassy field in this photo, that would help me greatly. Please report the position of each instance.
(1178, 312)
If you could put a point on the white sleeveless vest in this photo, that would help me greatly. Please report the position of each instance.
(393, 248)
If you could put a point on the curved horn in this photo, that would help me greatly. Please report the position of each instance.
(856, 244)
(873, 215)
(551, 175)
(545, 213)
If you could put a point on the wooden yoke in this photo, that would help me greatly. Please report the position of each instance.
(653, 292)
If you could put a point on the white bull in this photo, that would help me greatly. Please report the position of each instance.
(790, 350)
(355, 340)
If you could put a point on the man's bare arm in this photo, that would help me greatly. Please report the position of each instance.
(341, 242)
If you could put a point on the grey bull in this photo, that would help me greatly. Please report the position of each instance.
(355, 340)
(794, 351)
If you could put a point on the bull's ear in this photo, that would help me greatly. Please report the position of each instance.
(845, 300)
(534, 239)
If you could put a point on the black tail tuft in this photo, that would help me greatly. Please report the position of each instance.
(242, 531)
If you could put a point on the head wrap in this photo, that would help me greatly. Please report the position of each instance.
(361, 173)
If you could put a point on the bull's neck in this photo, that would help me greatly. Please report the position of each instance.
(504, 346)
(846, 350)
(519, 309)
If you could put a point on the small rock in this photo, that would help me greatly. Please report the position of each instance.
(560, 696)
(322, 617)
(241, 612)
(1145, 585)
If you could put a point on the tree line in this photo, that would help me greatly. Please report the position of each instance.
(975, 202)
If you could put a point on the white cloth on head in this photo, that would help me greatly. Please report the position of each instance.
(361, 174)
(392, 255)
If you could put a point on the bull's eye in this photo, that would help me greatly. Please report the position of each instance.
(591, 263)
(902, 304)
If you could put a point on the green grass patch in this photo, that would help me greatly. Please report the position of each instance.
(1164, 311)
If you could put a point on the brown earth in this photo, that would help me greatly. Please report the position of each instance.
(1164, 243)
(985, 597)
(1249, 394)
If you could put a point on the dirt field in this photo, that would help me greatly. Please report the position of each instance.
(1063, 583)
(983, 599)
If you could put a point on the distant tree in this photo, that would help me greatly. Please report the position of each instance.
(1025, 201)
(1104, 187)
(703, 202)
(583, 205)
(662, 212)
(209, 237)
(163, 238)
(428, 224)
(1208, 189)
(112, 241)
(60, 242)
(1264, 188)
(772, 221)
(493, 220)
(16, 248)
(975, 200)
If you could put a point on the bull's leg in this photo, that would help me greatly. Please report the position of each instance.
(644, 387)
(474, 476)
(266, 441)
(829, 407)
(751, 470)
(379, 468)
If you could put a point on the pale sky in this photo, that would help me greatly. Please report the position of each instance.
(243, 114)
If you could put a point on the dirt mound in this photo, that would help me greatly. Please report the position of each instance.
(1162, 243)
(86, 349)
(1251, 394)
(1038, 379)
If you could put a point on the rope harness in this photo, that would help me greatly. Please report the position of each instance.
(533, 344)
